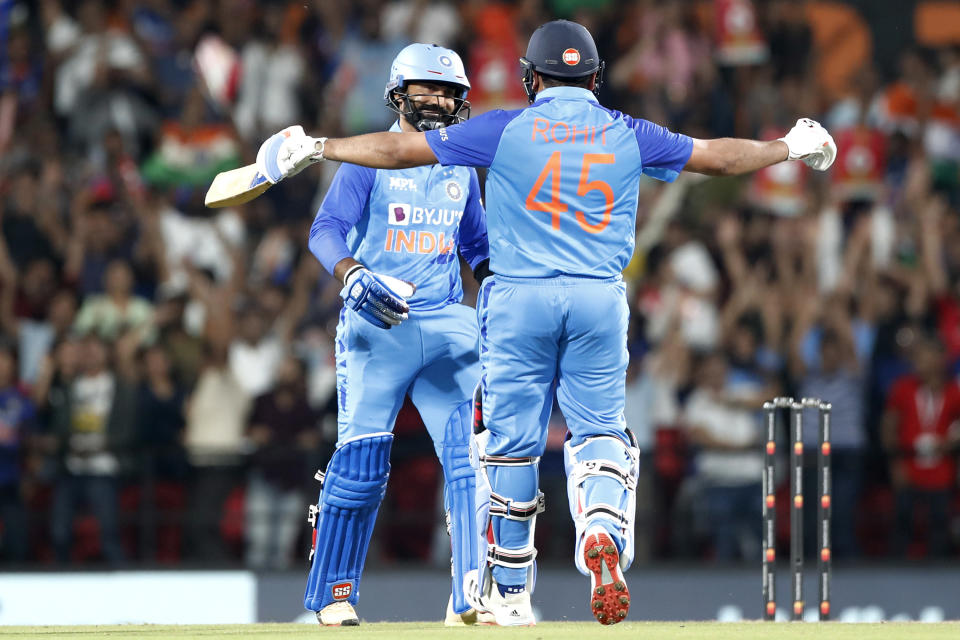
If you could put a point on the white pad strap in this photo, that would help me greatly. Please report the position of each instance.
(611, 458)
(604, 468)
(490, 504)
(503, 461)
(515, 510)
(511, 557)
(608, 511)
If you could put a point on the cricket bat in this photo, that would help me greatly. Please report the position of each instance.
(237, 186)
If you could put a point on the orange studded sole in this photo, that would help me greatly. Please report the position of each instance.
(609, 596)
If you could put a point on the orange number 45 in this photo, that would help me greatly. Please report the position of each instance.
(554, 206)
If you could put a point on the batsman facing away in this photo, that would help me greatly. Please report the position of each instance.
(561, 201)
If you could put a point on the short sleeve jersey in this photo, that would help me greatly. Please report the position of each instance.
(561, 192)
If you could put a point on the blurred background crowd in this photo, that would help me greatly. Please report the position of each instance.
(167, 386)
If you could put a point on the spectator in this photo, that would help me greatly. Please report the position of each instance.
(26, 221)
(286, 434)
(835, 377)
(216, 420)
(921, 433)
(160, 420)
(101, 73)
(358, 92)
(16, 425)
(273, 69)
(724, 425)
(262, 340)
(117, 310)
(94, 422)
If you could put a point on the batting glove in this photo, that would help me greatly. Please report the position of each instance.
(379, 299)
(810, 142)
(287, 153)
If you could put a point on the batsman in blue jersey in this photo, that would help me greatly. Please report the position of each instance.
(378, 231)
(561, 196)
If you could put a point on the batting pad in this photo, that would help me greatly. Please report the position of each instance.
(353, 487)
(459, 498)
(508, 503)
(601, 487)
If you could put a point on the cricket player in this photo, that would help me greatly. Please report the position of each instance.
(561, 201)
(378, 231)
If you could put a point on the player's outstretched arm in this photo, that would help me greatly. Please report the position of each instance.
(807, 141)
(734, 156)
(383, 150)
(290, 151)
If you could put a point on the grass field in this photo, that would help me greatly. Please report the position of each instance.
(543, 631)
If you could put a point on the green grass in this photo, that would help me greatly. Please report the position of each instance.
(543, 631)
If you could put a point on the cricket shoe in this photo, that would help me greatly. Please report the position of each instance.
(467, 618)
(609, 596)
(510, 610)
(338, 614)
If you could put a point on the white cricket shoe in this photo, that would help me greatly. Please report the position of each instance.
(609, 596)
(467, 618)
(511, 610)
(338, 614)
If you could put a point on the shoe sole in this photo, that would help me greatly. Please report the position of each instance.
(348, 622)
(609, 596)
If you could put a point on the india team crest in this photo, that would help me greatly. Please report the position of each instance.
(454, 191)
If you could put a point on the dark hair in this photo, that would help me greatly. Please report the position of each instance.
(554, 81)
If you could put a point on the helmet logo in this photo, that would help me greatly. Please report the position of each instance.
(571, 57)
(445, 61)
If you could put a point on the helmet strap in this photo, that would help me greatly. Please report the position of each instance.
(527, 79)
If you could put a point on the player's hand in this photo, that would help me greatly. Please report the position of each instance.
(810, 142)
(379, 299)
(287, 153)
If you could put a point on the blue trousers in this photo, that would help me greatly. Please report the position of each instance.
(432, 356)
(538, 335)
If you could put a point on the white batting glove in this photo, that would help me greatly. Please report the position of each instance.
(810, 142)
(287, 153)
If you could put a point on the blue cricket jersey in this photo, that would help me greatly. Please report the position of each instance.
(561, 193)
(406, 223)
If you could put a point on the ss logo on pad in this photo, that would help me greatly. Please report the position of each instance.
(341, 591)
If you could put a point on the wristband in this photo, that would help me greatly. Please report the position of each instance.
(352, 270)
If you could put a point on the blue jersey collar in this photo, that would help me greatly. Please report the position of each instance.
(568, 93)
(396, 126)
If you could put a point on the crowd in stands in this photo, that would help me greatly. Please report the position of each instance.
(167, 385)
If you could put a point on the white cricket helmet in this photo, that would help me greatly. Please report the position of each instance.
(432, 63)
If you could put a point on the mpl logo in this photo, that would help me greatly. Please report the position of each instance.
(398, 213)
(571, 57)
(403, 184)
(341, 591)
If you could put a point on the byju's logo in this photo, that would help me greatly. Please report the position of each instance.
(398, 213)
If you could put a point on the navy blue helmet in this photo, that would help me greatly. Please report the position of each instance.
(561, 49)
